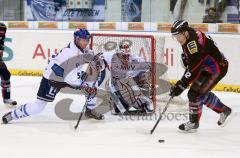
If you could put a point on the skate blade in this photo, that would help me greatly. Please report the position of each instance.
(229, 119)
(10, 106)
(95, 118)
(189, 131)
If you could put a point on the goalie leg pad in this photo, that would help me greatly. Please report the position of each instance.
(147, 105)
(142, 80)
(131, 93)
(115, 101)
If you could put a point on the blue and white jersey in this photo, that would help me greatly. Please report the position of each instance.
(68, 65)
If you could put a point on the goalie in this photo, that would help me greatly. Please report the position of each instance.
(129, 86)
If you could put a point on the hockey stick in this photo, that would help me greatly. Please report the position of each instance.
(160, 117)
(61, 85)
(81, 114)
(85, 105)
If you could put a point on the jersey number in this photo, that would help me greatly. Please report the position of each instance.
(52, 91)
(188, 74)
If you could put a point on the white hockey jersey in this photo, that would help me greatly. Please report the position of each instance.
(68, 65)
(119, 71)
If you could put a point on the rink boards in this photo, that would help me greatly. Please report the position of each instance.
(27, 52)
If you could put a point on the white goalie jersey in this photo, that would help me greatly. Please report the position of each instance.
(129, 80)
(120, 69)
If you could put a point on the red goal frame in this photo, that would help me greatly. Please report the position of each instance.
(153, 56)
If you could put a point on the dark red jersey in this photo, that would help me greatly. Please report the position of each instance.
(2, 35)
(200, 53)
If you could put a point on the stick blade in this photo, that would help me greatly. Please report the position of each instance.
(151, 132)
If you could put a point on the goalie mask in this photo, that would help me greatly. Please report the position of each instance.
(124, 47)
(124, 50)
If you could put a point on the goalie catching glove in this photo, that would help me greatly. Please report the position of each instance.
(177, 89)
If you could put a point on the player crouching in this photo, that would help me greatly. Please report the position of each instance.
(129, 86)
(64, 69)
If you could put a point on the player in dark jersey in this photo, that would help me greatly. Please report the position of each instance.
(205, 66)
(4, 73)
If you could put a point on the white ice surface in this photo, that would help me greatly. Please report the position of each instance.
(46, 136)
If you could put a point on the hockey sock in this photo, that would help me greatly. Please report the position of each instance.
(213, 102)
(28, 109)
(6, 91)
(195, 111)
(91, 103)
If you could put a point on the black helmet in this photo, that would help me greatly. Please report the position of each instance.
(179, 26)
(2, 26)
(2, 29)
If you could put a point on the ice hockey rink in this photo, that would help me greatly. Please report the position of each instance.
(46, 135)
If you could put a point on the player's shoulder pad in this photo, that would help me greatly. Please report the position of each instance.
(192, 47)
(201, 38)
(67, 48)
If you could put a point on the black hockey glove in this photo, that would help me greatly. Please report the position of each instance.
(87, 91)
(60, 85)
(177, 89)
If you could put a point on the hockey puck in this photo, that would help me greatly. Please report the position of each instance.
(161, 141)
